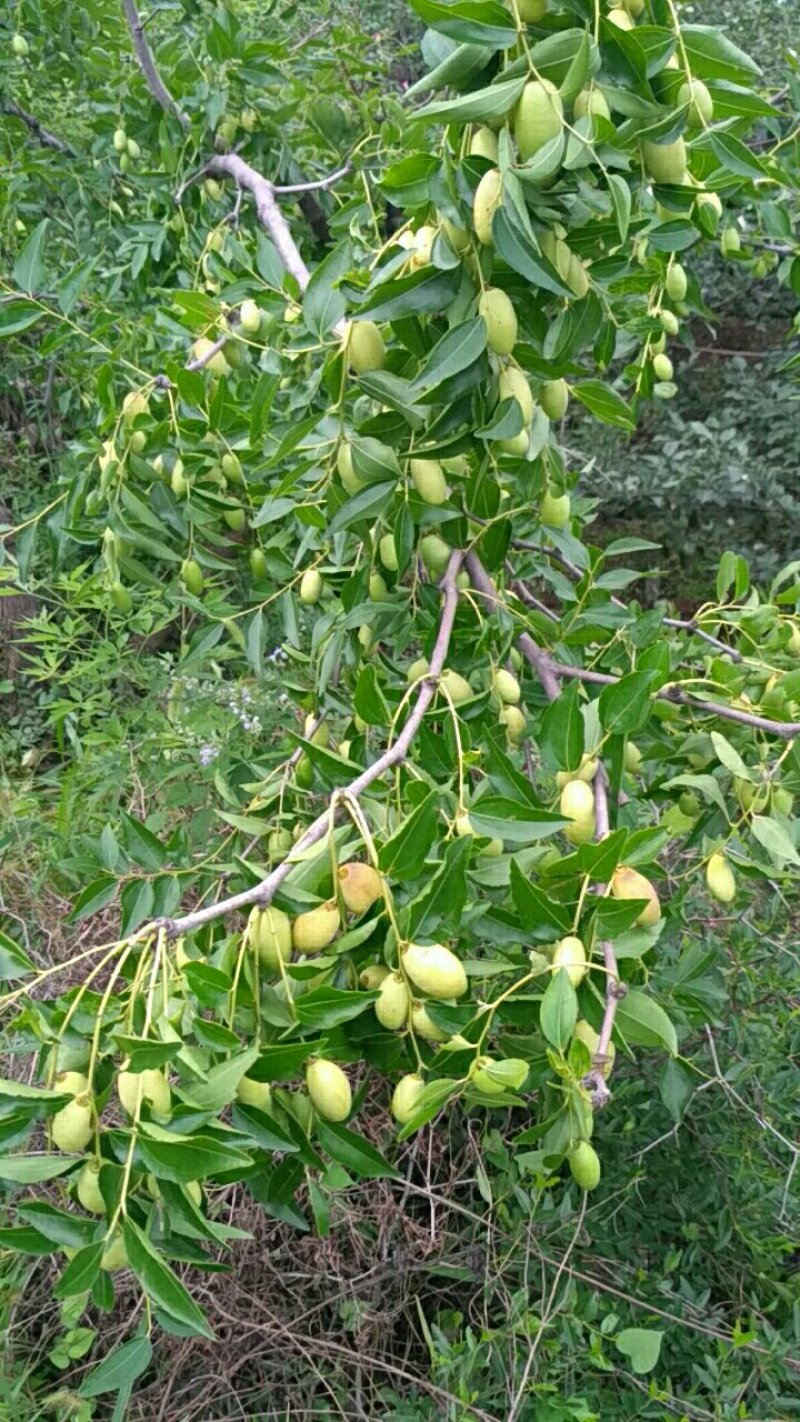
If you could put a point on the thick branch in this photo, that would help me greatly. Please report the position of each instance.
(45, 137)
(230, 165)
(264, 892)
(538, 659)
(147, 64)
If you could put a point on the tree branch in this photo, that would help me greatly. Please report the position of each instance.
(264, 892)
(315, 186)
(230, 165)
(532, 652)
(147, 64)
(45, 137)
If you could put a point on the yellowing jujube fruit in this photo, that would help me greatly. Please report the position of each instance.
(424, 1025)
(514, 721)
(555, 509)
(114, 1256)
(463, 824)
(250, 317)
(88, 1189)
(436, 970)
(149, 1087)
(484, 143)
(676, 282)
(435, 553)
(273, 937)
(72, 1082)
(513, 385)
(592, 101)
(570, 955)
(347, 473)
(217, 363)
(254, 1093)
(620, 18)
(71, 1127)
(456, 686)
(627, 883)
(507, 687)
(584, 1162)
(577, 804)
(365, 348)
(329, 1090)
(311, 586)
(585, 1033)
(539, 117)
(372, 976)
(501, 320)
(120, 140)
(701, 104)
(662, 367)
(428, 479)
(134, 404)
(720, 879)
(313, 931)
(669, 322)
(405, 1097)
(178, 482)
(488, 197)
(586, 771)
(192, 576)
(391, 1007)
(554, 399)
(360, 886)
(665, 162)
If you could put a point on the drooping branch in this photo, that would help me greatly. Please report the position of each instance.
(147, 64)
(44, 135)
(314, 186)
(264, 892)
(532, 652)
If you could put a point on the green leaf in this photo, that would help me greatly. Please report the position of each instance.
(323, 303)
(479, 106)
(453, 354)
(712, 55)
(500, 818)
(621, 201)
(119, 1369)
(94, 897)
(516, 247)
(14, 963)
(354, 1153)
(774, 838)
(558, 1011)
(430, 1101)
(29, 268)
(645, 1023)
(16, 316)
(642, 1346)
(441, 904)
(419, 294)
(736, 157)
(325, 1007)
(33, 1169)
(483, 22)
(533, 905)
(403, 856)
(161, 1284)
(81, 1271)
(219, 1087)
(562, 728)
(625, 707)
(190, 1158)
(605, 403)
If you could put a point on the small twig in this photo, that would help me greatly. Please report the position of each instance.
(538, 659)
(147, 64)
(762, 1121)
(232, 218)
(546, 1315)
(264, 892)
(313, 186)
(44, 135)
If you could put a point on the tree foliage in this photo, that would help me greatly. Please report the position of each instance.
(317, 357)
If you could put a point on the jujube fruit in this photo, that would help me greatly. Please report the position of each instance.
(665, 162)
(487, 199)
(720, 879)
(88, 1189)
(316, 929)
(620, 18)
(584, 1163)
(114, 1256)
(662, 367)
(592, 101)
(501, 320)
(311, 586)
(360, 885)
(372, 976)
(483, 1080)
(71, 1127)
(424, 1026)
(484, 143)
(435, 970)
(531, 10)
(570, 954)
(329, 1090)
(216, 364)
(365, 348)
(71, 1082)
(435, 553)
(507, 687)
(514, 721)
(273, 937)
(585, 1033)
(555, 509)
(456, 686)
(134, 404)
(347, 473)
(577, 804)
(254, 1093)
(192, 576)
(701, 105)
(149, 1086)
(428, 479)
(676, 282)
(388, 553)
(20, 46)
(393, 1002)
(405, 1097)
(250, 317)
(627, 883)
(539, 117)
(554, 399)
(513, 385)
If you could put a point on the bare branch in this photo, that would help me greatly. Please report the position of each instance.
(533, 653)
(44, 135)
(315, 186)
(264, 892)
(147, 64)
(230, 165)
